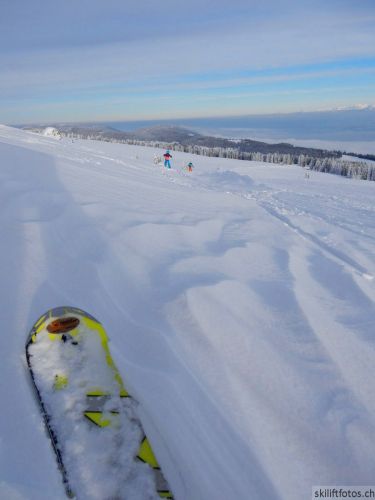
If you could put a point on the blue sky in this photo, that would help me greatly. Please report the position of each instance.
(96, 60)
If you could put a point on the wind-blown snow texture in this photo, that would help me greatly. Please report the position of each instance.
(239, 300)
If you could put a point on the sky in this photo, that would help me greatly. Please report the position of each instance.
(96, 60)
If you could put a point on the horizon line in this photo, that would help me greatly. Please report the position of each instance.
(364, 107)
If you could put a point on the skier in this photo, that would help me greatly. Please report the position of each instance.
(190, 166)
(167, 157)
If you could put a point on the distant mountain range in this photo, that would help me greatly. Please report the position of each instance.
(171, 134)
(361, 107)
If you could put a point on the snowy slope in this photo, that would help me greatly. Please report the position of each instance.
(239, 300)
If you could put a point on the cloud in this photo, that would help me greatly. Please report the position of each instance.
(132, 47)
(271, 45)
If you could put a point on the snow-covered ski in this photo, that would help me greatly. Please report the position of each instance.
(100, 447)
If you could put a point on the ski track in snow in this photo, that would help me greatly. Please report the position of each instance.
(239, 300)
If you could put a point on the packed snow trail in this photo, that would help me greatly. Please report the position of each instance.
(239, 300)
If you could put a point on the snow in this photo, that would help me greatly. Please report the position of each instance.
(359, 160)
(239, 300)
(51, 132)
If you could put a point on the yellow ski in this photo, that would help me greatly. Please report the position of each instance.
(90, 417)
